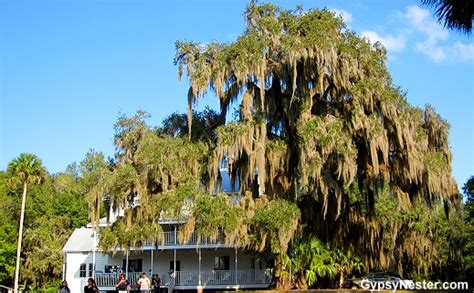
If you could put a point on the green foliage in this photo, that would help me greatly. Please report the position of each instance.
(8, 231)
(430, 229)
(468, 249)
(212, 212)
(26, 169)
(468, 190)
(90, 170)
(354, 193)
(310, 260)
(436, 162)
(53, 209)
(229, 134)
(328, 135)
(172, 202)
(162, 158)
(203, 125)
(274, 224)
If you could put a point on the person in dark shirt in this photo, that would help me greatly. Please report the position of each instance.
(156, 282)
(91, 287)
(122, 284)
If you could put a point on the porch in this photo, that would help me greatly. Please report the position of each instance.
(212, 279)
(221, 268)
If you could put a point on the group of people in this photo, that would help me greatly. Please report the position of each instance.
(144, 284)
(123, 286)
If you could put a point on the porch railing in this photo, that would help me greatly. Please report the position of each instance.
(170, 238)
(110, 279)
(191, 278)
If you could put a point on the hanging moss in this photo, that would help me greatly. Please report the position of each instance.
(321, 125)
(273, 224)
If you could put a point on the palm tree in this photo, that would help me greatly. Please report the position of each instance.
(455, 14)
(26, 169)
(346, 263)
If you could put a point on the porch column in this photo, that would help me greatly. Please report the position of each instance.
(174, 254)
(126, 264)
(199, 287)
(64, 265)
(93, 251)
(199, 272)
(174, 263)
(151, 265)
(236, 281)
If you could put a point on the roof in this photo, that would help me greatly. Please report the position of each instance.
(81, 240)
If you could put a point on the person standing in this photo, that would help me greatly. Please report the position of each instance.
(91, 286)
(155, 283)
(170, 283)
(122, 284)
(64, 288)
(144, 283)
(171, 276)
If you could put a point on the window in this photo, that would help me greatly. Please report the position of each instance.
(222, 263)
(91, 268)
(134, 265)
(178, 265)
(82, 270)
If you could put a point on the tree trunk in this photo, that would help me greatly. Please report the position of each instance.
(280, 281)
(20, 237)
(341, 279)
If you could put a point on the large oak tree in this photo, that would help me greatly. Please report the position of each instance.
(322, 125)
(324, 147)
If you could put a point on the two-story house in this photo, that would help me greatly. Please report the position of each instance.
(198, 264)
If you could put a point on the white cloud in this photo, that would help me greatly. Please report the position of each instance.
(421, 21)
(435, 36)
(346, 16)
(391, 43)
(463, 51)
(418, 28)
(430, 49)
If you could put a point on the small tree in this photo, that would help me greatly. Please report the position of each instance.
(346, 263)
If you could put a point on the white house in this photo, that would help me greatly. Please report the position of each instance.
(200, 264)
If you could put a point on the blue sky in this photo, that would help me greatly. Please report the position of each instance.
(68, 67)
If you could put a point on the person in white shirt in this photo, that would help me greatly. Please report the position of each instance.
(144, 283)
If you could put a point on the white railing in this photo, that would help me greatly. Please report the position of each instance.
(110, 279)
(219, 277)
(170, 238)
(191, 278)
